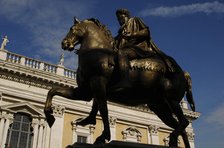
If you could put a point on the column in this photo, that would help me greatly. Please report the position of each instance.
(47, 136)
(57, 128)
(40, 133)
(153, 132)
(91, 130)
(9, 119)
(191, 139)
(112, 121)
(35, 132)
(2, 121)
(74, 135)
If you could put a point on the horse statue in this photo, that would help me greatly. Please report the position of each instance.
(97, 74)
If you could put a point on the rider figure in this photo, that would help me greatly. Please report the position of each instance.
(132, 42)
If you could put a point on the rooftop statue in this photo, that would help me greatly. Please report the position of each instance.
(4, 42)
(149, 76)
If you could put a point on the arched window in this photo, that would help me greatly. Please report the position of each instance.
(20, 132)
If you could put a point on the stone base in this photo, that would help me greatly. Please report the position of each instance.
(116, 144)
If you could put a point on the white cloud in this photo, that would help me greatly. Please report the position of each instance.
(216, 117)
(47, 21)
(175, 11)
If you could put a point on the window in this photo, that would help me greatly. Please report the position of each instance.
(19, 133)
(81, 139)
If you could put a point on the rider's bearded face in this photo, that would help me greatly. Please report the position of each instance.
(122, 18)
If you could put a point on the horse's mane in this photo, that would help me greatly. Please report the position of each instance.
(106, 31)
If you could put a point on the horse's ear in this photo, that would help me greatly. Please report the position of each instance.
(76, 20)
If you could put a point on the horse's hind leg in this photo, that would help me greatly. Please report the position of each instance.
(183, 123)
(164, 112)
(91, 119)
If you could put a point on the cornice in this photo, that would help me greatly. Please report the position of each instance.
(143, 108)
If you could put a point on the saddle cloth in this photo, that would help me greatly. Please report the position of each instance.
(151, 64)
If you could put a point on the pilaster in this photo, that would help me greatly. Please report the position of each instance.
(112, 121)
(91, 131)
(2, 122)
(153, 132)
(191, 138)
(40, 133)
(57, 128)
(35, 132)
(8, 121)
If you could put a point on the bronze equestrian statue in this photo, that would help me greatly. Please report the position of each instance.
(97, 74)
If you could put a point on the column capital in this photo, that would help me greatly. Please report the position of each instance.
(4, 115)
(74, 126)
(190, 136)
(7, 115)
(10, 118)
(92, 129)
(112, 121)
(42, 122)
(153, 129)
(58, 110)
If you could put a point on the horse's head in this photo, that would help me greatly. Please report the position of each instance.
(73, 37)
(90, 33)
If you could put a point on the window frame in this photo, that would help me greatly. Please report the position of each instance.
(21, 122)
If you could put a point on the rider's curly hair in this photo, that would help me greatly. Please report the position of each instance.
(123, 11)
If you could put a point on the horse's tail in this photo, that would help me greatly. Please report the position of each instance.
(189, 94)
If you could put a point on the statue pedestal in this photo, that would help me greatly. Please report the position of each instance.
(116, 144)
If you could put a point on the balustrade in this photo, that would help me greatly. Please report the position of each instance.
(36, 64)
(13, 58)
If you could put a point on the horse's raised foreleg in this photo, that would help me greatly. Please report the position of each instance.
(98, 86)
(69, 93)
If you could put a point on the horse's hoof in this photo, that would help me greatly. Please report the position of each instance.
(100, 140)
(49, 117)
(86, 121)
(173, 143)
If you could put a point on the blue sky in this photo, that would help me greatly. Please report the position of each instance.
(191, 31)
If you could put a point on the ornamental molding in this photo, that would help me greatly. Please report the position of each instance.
(190, 114)
(131, 133)
(24, 107)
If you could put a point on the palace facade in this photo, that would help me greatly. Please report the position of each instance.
(24, 83)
